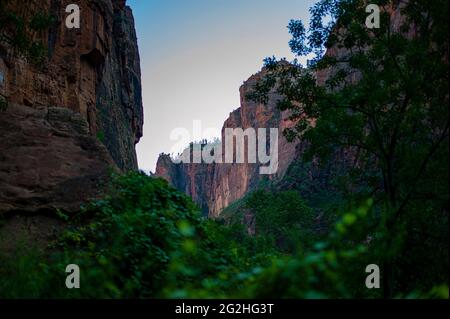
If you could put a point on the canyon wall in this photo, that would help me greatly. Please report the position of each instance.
(215, 186)
(69, 120)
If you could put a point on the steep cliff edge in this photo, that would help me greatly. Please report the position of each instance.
(67, 121)
(215, 186)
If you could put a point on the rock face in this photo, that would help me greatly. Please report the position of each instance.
(66, 122)
(93, 71)
(48, 160)
(215, 186)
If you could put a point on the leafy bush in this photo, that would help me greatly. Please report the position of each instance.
(122, 242)
(130, 234)
(377, 105)
(142, 239)
(282, 217)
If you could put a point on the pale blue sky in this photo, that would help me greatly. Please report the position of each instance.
(195, 54)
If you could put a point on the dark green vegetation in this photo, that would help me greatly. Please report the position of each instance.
(22, 33)
(386, 103)
(145, 239)
(372, 187)
(3, 104)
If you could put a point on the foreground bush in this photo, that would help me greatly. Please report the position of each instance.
(144, 240)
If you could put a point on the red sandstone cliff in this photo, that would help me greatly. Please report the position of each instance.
(69, 120)
(215, 186)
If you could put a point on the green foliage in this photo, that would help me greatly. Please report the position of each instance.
(122, 242)
(144, 239)
(333, 266)
(3, 104)
(215, 263)
(282, 217)
(133, 234)
(24, 274)
(386, 205)
(385, 104)
(101, 136)
(19, 32)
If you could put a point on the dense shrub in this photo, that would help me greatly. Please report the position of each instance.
(145, 239)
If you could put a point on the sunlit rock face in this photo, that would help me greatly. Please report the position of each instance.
(215, 186)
